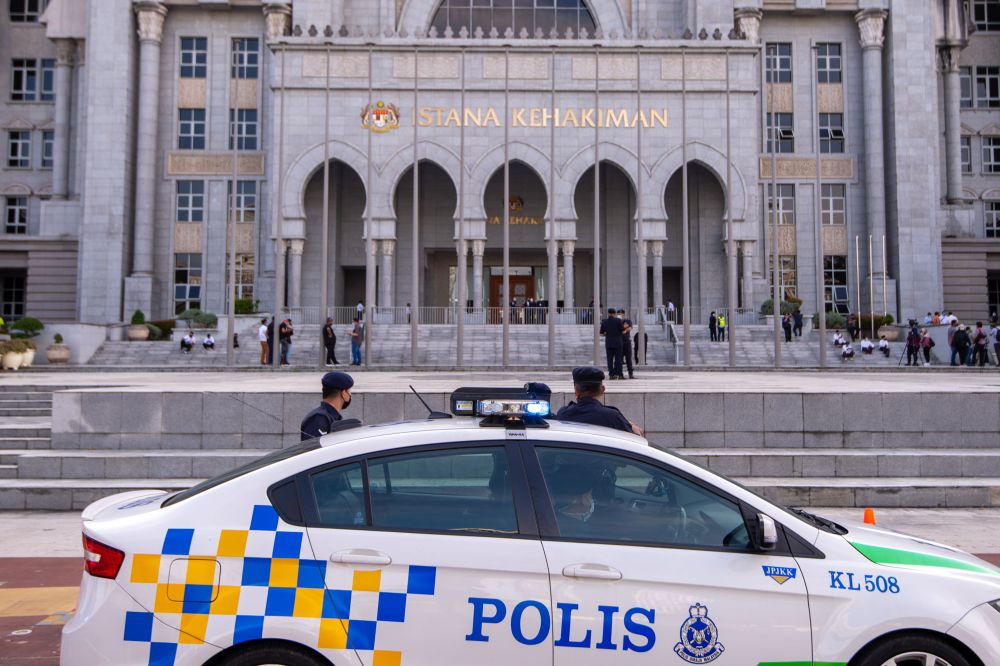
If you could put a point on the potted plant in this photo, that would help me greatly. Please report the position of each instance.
(28, 353)
(137, 329)
(57, 352)
(890, 332)
(13, 354)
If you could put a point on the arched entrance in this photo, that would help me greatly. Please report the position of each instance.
(436, 203)
(346, 246)
(619, 268)
(527, 205)
(707, 261)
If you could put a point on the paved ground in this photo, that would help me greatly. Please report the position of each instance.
(40, 568)
(966, 380)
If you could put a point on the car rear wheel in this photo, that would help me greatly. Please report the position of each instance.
(913, 651)
(273, 655)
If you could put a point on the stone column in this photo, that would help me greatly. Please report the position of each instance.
(461, 266)
(478, 248)
(747, 249)
(552, 270)
(871, 24)
(385, 289)
(569, 247)
(150, 15)
(656, 247)
(949, 61)
(65, 57)
(295, 247)
(748, 23)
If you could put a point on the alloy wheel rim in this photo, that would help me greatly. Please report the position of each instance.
(916, 659)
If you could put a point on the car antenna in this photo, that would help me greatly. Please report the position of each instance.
(431, 414)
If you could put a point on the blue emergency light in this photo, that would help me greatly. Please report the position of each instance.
(527, 405)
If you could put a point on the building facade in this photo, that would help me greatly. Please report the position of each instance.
(382, 150)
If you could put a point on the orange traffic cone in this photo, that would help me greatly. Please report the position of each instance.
(869, 516)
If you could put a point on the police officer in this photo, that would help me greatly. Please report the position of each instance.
(627, 344)
(336, 398)
(613, 331)
(588, 384)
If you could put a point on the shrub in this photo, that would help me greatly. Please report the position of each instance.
(4, 348)
(206, 319)
(189, 314)
(834, 320)
(27, 326)
(155, 332)
(787, 307)
(865, 322)
(17, 346)
(164, 326)
(57, 339)
(138, 318)
(245, 306)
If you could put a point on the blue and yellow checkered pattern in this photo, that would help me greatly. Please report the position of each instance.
(273, 581)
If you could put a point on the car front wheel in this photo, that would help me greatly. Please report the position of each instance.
(272, 655)
(913, 651)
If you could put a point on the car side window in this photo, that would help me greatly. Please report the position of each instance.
(339, 495)
(604, 497)
(455, 490)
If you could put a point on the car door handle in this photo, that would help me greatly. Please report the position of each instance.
(598, 571)
(360, 556)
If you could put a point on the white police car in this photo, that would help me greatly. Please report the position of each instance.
(450, 542)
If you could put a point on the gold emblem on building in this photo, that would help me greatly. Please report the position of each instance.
(380, 118)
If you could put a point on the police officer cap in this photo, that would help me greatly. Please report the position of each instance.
(338, 380)
(588, 375)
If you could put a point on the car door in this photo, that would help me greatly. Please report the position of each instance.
(648, 565)
(429, 553)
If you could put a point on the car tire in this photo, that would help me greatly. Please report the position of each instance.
(912, 650)
(278, 655)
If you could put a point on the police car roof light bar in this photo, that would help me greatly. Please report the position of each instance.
(504, 407)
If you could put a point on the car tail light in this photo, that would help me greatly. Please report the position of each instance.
(100, 560)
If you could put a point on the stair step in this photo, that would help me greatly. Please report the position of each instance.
(24, 443)
(100, 464)
(7, 412)
(762, 463)
(8, 471)
(925, 492)
(74, 494)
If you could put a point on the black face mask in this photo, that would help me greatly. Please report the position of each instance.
(347, 403)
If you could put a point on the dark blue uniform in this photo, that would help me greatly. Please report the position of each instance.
(319, 421)
(594, 412)
(613, 331)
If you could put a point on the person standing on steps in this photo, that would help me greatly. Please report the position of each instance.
(330, 343)
(357, 334)
(722, 327)
(627, 342)
(612, 330)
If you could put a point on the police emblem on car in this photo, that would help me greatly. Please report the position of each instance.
(699, 638)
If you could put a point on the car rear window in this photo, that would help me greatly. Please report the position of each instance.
(259, 463)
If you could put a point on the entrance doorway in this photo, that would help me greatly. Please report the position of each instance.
(522, 287)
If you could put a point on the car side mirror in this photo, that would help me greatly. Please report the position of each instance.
(767, 532)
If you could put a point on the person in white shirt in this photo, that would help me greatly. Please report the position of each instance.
(883, 346)
(187, 342)
(209, 342)
(671, 311)
(262, 338)
(847, 351)
(867, 346)
(838, 339)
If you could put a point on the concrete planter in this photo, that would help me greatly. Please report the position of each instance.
(12, 360)
(28, 358)
(138, 332)
(891, 333)
(56, 354)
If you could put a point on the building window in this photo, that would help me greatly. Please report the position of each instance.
(786, 204)
(246, 200)
(988, 87)
(24, 80)
(26, 11)
(778, 63)
(835, 284)
(187, 282)
(191, 129)
(525, 18)
(993, 219)
(966, 154)
(991, 154)
(244, 276)
(190, 201)
(19, 149)
(986, 14)
(829, 63)
(246, 129)
(965, 77)
(246, 56)
(48, 146)
(194, 57)
(16, 215)
(831, 133)
(834, 204)
(48, 93)
(784, 132)
(787, 274)
(12, 295)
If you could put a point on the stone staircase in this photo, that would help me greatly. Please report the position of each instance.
(879, 469)
(391, 348)
(755, 348)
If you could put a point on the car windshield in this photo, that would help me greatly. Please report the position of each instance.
(259, 463)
